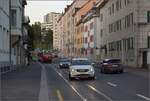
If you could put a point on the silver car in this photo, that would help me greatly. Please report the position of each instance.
(81, 68)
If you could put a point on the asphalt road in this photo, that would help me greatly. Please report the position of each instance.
(46, 82)
(129, 86)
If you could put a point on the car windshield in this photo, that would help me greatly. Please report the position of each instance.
(65, 60)
(81, 62)
(112, 61)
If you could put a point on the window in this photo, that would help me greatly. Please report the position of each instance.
(120, 4)
(92, 51)
(129, 20)
(131, 17)
(131, 43)
(120, 45)
(86, 28)
(91, 25)
(13, 18)
(109, 10)
(148, 40)
(101, 17)
(117, 5)
(82, 28)
(120, 25)
(91, 38)
(113, 10)
(148, 16)
(101, 34)
(126, 2)
(85, 40)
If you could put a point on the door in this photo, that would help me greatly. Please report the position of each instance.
(144, 65)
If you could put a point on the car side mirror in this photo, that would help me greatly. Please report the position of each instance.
(93, 63)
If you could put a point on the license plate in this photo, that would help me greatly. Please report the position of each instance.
(115, 65)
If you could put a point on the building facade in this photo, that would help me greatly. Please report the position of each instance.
(17, 31)
(80, 27)
(50, 22)
(4, 32)
(91, 35)
(125, 28)
(13, 34)
(68, 21)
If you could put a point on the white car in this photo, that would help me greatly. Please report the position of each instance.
(81, 68)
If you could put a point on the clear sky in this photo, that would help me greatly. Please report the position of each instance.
(36, 9)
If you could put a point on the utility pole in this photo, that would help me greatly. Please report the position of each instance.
(10, 31)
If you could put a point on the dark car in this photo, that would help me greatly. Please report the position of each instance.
(111, 66)
(64, 63)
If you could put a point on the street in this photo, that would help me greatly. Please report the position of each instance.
(46, 82)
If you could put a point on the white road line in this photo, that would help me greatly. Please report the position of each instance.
(112, 84)
(43, 95)
(142, 96)
(102, 94)
(83, 98)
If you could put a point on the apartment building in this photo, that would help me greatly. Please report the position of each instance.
(13, 34)
(80, 28)
(50, 22)
(91, 34)
(125, 30)
(17, 31)
(4, 32)
(46, 26)
(68, 22)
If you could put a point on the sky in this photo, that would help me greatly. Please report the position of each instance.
(36, 9)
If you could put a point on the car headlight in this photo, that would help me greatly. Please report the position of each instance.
(72, 70)
(92, 70)
(61, 64)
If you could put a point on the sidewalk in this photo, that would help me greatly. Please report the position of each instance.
(22, 84)
(138, 71)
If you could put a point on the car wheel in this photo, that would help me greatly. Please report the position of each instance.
(121, 71)
(70, 78)
(93, 78)
(60, 67)
(102, 70)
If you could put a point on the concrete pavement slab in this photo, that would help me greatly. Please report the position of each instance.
(22, 84)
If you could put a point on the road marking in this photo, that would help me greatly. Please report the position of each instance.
(43, 95)
(60, 98)
(97, 91)
(141, 96)
(83, 98)
(111, 84)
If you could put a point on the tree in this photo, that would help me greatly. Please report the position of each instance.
(38, 39)
(49, 39)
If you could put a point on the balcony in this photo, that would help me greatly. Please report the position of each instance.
(15, 31)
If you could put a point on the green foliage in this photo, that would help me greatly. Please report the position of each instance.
(37, 40)
(48, 39)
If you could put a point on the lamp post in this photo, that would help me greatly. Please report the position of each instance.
(10, 31)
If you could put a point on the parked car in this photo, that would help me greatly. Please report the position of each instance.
(64, 63)
(111, 65)
(46, 58)
(81, 68)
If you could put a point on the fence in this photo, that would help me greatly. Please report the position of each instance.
(6, 67)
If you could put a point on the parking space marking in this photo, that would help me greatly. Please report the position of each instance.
(99, 92)
(83, 98)
(143, 97)
(112, 84)
(59, 95)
